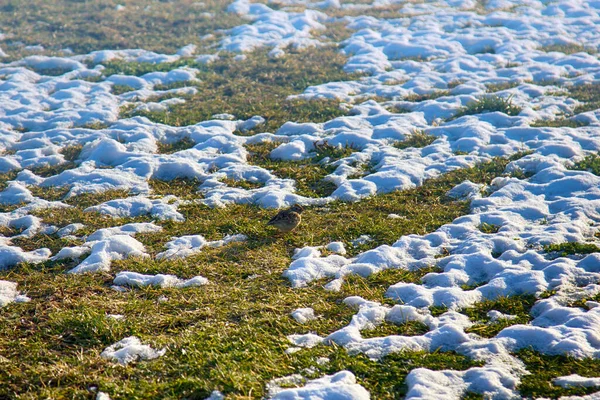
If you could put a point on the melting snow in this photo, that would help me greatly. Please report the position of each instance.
(340, 386)
(430, 47)
(9, 294)
(134, 279)
(303, 315)
(576, 381)
(131, 349)
(186, 246)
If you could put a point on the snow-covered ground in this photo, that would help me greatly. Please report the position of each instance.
(452, 45)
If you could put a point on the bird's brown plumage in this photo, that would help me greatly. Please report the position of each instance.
(287, 220)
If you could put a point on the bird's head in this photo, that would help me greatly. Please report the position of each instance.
(296, 208)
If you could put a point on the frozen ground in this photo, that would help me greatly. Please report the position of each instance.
(458, 47)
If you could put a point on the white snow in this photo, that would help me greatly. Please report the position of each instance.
(131, 349)
(9, 294)
(303, 315)
(575, 380)
(431, 46)
(134, 279)
(11, 256)
(136, 206)
(102, 396)
(103, 252)
(273, 29)
(69, 229)
(185, 246)
(106, 245)
(339, 386)
(216, 395)
(336, 247)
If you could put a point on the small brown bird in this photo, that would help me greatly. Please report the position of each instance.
(287, 220)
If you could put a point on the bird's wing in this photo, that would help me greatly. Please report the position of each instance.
(276, 218)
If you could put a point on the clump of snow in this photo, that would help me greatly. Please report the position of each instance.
(362, 239)
(494, 316)
(336, 247)
(308, 340)
(269, 28)
(134, 279)
(304, 315)
(216, 395)
(11, 256)
(340, 386)
(131, 349)
(127, 229)
(15, 193)
(396, 216)
(136, 206)
(575, 380)
(106, 245)
(9, 294)
(322, 360)
(185, 246)
(494, 382)
(69, 229)
(466, 190)
(102, 253)
(102, 396)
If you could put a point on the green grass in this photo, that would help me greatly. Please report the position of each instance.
(571, 248)
(545, 368)
(559, 123)
(71, 153)
(185, 189)
(242, 183)
(85, 26)
(486, 50)
(455, 83)
(333, 153)
(488, 228)
(51, 170)
(258, 86)
(120, 89)
(497, 87)
(398, 109)
(518, 306)
(418, 139)
(569, 49)
(308, 174)
(589, 94)
(590, 163)
(489, 103)
(416, 98)
(174, 147)
(231, 334)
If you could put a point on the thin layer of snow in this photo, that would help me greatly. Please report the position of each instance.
(135, 279)
(576, 380)
(273, 29)
(136, 206)
(303, 315)
(216, 395)
(10, 294)
(106, 245)
(185, 246)
(460, 50)
(131, 349)
(339, 386)
(11, 256)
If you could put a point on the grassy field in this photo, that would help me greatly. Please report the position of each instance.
(231, 334)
